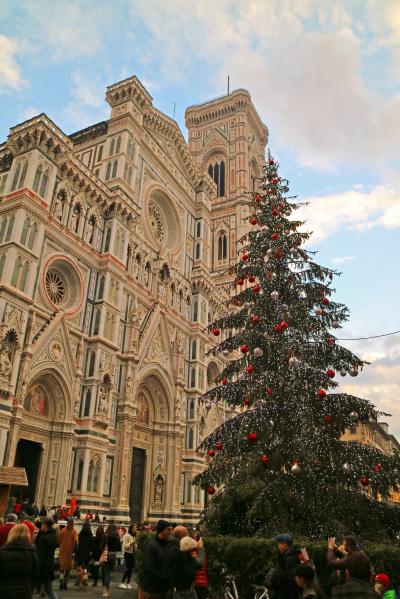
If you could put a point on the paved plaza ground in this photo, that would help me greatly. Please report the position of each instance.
(95, 592)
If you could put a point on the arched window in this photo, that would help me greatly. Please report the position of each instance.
(19, 176)
(16, 176)
(198, 230)
(194, 350)
(114, 169)
(3, 229)
(25, 230)
(189, 488)
(96, 477)
(129, 176)
(190, 438)
(36, 180)
(100, 292)
(90, 476)
(75, 217)
(118, 145)
(130, 149)
(195, 311)
(32, 235)
(2, 262)
(24, 275)
(79, 477)
(191, 409)
(96, 323)
(43, 183)
(108, 171)
(128, 257)
(197, 255)
(92, 360)
(16, 271)
(222, 246)
(88, 399)
(193, 377)
(112, 146)
(107, 240)
(10, 227)
(217, 173)
(23, 174)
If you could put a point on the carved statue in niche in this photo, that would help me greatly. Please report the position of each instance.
(89, 231)
(158, 489)
(129, 384)
(58, 208)
(77, 404)
(74, 220)
(5, 366)
(103, 400)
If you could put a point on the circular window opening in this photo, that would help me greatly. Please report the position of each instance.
(157, 222)
(63, 285)
(56, 287)
(163, 221)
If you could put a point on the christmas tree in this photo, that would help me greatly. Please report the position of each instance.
(279, 463)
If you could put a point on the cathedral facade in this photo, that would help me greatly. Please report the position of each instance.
(114, 247)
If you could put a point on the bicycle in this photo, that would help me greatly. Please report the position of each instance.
(231, 592)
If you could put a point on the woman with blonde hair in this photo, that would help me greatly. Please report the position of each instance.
(18, 565)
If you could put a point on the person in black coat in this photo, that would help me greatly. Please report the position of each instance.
(98, 546)
(46, 544)
(85, 544)
(18, 565)
(283, 582)
(156, 579)
(185, 564)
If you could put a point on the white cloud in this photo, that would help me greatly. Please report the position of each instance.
(349, 210)
(87, 104)
(10, 72)
(29, 112)
(342, 259)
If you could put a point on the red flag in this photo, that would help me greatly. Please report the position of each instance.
(72, 506)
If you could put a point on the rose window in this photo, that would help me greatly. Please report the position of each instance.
(55, 287)
(157, 223)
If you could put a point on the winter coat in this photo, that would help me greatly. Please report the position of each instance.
(113, 546)
(201, 580)
(18, 570)
(85, 545)
(354, 589)
(390, 594)
(4, 530)
(46, 544)
(68, 541)
(98, 547)
(184, 568)
(283, 583)
(156, 578)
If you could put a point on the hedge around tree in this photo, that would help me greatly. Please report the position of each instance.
(248, 557)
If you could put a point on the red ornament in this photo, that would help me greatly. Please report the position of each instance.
(325, 301)
(275, 212)
(331, 341)
(271, 162)
(321, 393)
(264, 458)
(330, 373)
(274, 236)
(211, 453)
(211, 490)
(253, 220)
(219, 445)
(224, 381)
(284, 325)
(277, 328)
(269, 390)
(252, 437)
(378, 467)
(364, 480)
(258, 198)
(244, 257)
(244, 349)
(240, 282)
(275, 180)
(256, 288)
(246, 402)
(282, 205)
(255, 319)
(278, 254)
(250, 369)
(251, 279)
(328, 419)
(216, 332)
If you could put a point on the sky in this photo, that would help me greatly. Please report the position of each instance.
(324, 76)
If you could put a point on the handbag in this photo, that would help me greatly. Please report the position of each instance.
(104, 556)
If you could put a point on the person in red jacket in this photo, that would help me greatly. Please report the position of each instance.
(5, 528)
(201, 580)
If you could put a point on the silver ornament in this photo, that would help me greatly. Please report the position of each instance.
(274, 295)
(266, 259)
(336, 325)
(258, 352)
(225, 353)
(241, 377)
(264, 228)
(353, 416)
(269, 252)
(346, 467)
(318, 311)
(343, 372)
(296, 468)
(272, 276)
(353, 371)
(294, 250)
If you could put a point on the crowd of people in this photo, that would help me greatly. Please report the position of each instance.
(353, 576)
(28, 556)
(173, 565)
(28, 509)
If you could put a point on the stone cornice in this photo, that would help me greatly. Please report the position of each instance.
(39, 131)
(129, 89)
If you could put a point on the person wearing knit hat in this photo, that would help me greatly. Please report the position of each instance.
(384, 587)
(156, 580)
(187, 561)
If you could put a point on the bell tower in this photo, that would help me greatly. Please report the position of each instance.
(227, 141)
